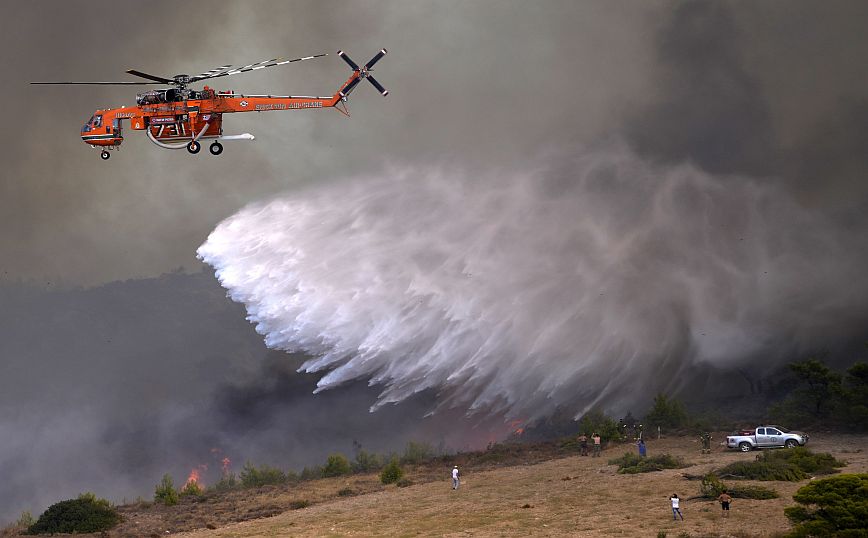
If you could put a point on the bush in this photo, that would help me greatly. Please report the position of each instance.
(346, 492)
(165, 491)
(25, 520)
(226, 482)
(254, 477)
(417, 452)
(711, 487)
(668, 414)
(791, 464)
(298, 505)
(191, 488)
(392, 472)
(336, 465)
(596, 421)
(310, 473)
(404, 482)
(367, 461)
(762, 470)
(631, 463)
(834, 507)
(81, 515)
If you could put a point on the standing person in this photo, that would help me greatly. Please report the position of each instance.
(676, 509)
(598, 447)
(583, 443)
(641, 444)
(725, 499)
(456, 481)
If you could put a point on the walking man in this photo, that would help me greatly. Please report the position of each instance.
(598, 447)
(676, 509)
(455, 480)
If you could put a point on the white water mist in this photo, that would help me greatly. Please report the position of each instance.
(597, 280)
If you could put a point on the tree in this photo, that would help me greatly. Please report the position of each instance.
(336, 465)
(834, 507)
(85, 514)
(666, 413)
(392, 472)
(821, 387)
(165, 491)
(856, 396)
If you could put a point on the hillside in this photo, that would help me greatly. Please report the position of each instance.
(538, 490)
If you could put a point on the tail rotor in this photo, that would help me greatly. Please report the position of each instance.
(364, 73)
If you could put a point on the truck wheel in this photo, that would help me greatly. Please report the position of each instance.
(791, 443)
(744, 446)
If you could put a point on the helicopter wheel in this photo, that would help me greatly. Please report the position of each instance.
(105, 155)
(216, 148)
(194, 147)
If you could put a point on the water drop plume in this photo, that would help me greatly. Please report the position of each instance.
(594, 279)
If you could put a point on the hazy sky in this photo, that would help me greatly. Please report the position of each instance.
(775, 89)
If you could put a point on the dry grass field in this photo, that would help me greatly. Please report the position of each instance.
(573, 496)
(534, 491)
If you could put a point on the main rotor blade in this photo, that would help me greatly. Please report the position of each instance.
(346, 58)
(164, 80)
(377, 85)
(101, 83)
(376, 59)
(254, 67)
(345, 91)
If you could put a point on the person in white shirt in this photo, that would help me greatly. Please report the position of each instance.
(455, 480)
(675, 507)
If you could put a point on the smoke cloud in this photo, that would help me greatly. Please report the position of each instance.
(594, 282)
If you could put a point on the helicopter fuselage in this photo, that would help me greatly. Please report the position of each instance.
(184, 120)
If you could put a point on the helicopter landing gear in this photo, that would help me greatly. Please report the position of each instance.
(216, 148)
(105, 155)
(194, 147)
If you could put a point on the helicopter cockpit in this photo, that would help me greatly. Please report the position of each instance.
(94, 122)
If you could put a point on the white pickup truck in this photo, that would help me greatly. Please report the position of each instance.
(766, 437)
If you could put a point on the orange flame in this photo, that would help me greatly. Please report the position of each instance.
(195, 475)
(226, 463)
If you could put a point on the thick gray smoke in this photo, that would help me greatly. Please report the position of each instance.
(597, 282)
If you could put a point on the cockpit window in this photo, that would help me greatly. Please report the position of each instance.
(97, 120)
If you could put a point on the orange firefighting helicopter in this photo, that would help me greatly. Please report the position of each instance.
(179, 117)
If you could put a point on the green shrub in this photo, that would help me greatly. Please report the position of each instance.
(298, 505)
(809, 462)
(404, 482)
(392, 472)
(835, 507)
(346, 492)
(597, 421)
(165, 491)
(631, 463)
(226, 483)
(191, 488)
(762, 470)
(81, 515)
(254, 477)
(791, 464)
(336, 465)
(310, 473)
(666, 413)
(367, 461)
(417, 452)
(25, 520)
